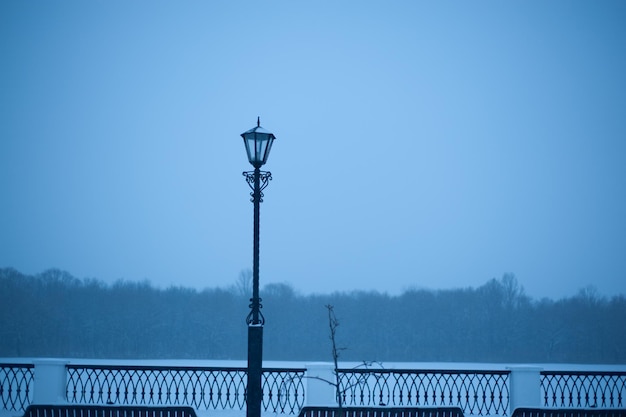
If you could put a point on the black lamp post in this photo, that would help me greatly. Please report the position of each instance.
(258, 143)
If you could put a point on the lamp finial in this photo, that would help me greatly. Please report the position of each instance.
(258, 121)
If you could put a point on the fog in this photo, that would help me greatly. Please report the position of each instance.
(494, 323)
(428, 145)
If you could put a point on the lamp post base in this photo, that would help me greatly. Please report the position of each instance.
(254, 398)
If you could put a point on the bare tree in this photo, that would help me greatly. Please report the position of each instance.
(340, 391)
(333, 323)
(243, 285)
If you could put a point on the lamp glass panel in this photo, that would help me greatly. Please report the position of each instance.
(262, 144)
(248, 140)
(268, 148)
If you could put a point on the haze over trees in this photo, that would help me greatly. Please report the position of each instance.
(54, 314)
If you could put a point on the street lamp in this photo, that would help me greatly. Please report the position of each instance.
(258, 142)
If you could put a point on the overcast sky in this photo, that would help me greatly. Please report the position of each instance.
(419, 144)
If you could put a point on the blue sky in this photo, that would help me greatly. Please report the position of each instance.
(419, 144)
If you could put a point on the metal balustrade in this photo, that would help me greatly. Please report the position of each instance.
(16, 381)
(204, 388)
(224, 388)
(476, 392)
(284, 390)
(571, 389)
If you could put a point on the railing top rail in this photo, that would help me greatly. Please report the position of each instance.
(17, 365)
(582, 373)
(284, 369)
(177, 368)
(424, 371)
(156, 367)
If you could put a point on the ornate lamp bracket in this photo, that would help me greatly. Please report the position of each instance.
(250, 317)
(264, 176)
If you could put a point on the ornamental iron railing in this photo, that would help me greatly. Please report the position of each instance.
(476, 392)
(16, 381)
(217, 388)
(573, 389)
(204, 388)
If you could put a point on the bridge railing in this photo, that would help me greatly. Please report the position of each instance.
(476, 392)
(204, 388)
(16, 382)
(580, 389)
(287, 390)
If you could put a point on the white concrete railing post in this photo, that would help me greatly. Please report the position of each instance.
(50, 377)
(320, 388)
(525, 387)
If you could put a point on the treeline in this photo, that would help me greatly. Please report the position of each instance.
(54, 314)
